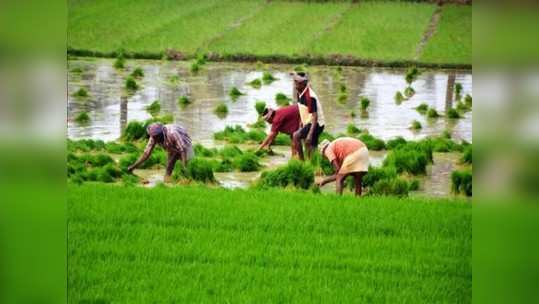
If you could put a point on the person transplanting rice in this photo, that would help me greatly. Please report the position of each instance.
(174, 139)
(349, 157)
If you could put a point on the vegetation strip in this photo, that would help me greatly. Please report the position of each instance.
(333, 60)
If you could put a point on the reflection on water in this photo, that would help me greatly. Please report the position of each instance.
(110, 108)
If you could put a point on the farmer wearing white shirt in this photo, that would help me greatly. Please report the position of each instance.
(311, 113)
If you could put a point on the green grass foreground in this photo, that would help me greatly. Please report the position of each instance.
(369, 33)
(199, 245)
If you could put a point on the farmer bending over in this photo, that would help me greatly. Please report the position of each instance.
(284, 120)
(311, 113)
(349, 156)
(174, 139)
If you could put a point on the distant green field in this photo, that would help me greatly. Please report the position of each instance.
(452, 41)
(379, 31)
(197, 244)
(280, 29)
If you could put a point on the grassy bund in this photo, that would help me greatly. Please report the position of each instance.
(369, 33)
(197, 244)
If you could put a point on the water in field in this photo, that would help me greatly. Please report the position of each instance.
(110, 107)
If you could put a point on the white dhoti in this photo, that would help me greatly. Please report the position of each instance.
(357, 161)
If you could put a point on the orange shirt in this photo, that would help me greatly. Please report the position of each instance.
(342, 147)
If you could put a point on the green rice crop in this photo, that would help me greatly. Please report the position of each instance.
(197, 169)
(364, 31)
(259, 124)
(376, 174)
(399, 97)
(282, 100)
(202, 151)
(282, 140)
(195, 67)
(134, 130)
(296, 174)
(422, 108)
(238, 135)
(119, 148)
(119, 63)
(82, 118)
(131, 84)
(365, 102)
(137, 245)
(372, 142)
(77, 70)
(409, 92)
(414, 185)
(240, 28)
(234, 93)
(183, 101)
(268, 78)
(343, 97)
(268, 33)
(462, 107)
(452, 40)
(221, 110)
(396, 143)
(81, 92)
(260, 106)
(461, 181)
(248, 162)
(256, 83)
(137, 73)
(467, 155)
(416, 125)
(351, 129)
(395, 187)
(468, 100)
(407, 160)
(432, 113)
(411, 75)
(453, 114)
(85, 145)
(458, 91)
(154, 108)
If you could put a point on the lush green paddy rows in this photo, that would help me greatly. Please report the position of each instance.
(381, 31)
(452, 41)
(198, 245)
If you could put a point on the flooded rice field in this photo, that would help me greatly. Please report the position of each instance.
(110, 107)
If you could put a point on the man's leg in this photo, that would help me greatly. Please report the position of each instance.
(315, 140)
(296, 143)
(339, 181)
(172, 158)
(358, 177)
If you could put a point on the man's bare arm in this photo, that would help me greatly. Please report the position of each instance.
(268, 140)
(147, 152)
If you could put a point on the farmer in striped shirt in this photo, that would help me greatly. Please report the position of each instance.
(174, 139)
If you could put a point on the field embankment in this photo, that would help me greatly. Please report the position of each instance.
(368, 33)
(198, 244)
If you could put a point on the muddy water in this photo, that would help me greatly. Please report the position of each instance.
(110, 107)
(109, 110)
